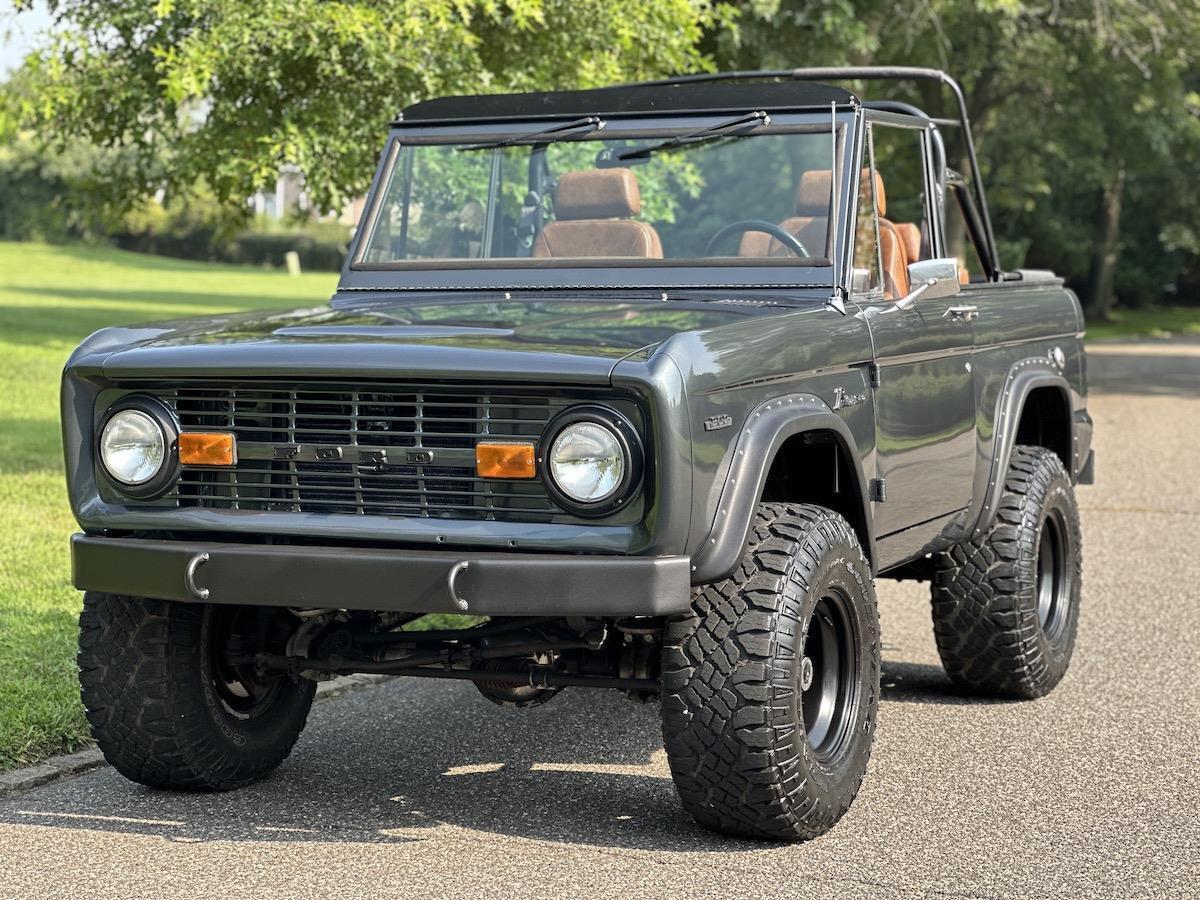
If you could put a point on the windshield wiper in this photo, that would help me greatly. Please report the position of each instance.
(553, 133)
(711, 133)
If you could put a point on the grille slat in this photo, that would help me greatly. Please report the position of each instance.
(399, 419)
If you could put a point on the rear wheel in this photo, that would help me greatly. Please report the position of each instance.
(771, 683)
(1006, 604)
(172, 693)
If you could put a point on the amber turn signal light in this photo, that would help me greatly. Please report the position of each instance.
(198, 448)
(505, 459)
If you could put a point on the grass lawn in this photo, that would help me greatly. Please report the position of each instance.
(1159, 321)
(50, 299)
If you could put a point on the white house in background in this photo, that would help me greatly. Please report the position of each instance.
(290, 197)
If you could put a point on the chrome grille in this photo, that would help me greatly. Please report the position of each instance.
(360, 448)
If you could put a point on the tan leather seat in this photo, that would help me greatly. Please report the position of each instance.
(891, 248)
(809, 224)
(593, 218)
(910, 236)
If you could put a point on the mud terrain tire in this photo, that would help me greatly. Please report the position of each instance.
(1006, 603)
(159, 699)
(751, 752)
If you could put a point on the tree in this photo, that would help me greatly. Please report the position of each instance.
(1085, 112)
(225, 92)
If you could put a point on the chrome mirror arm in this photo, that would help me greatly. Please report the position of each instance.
(909, 300)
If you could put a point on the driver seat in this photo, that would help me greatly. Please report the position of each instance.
(594, 213)
(809, 223)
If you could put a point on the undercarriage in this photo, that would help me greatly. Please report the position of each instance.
(516, 661)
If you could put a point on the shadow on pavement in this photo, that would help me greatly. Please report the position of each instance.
(389, 764)
(902, 682)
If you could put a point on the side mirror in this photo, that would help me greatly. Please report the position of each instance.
(932, 279)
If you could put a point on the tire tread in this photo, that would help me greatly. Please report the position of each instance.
(726, 685)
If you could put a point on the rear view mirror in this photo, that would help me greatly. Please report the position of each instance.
(931, 279)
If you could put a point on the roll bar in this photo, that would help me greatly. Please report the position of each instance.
(875, 73)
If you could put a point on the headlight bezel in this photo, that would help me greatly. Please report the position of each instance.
(631, 447)
(168, 472)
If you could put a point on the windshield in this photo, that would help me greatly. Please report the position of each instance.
(693, 194)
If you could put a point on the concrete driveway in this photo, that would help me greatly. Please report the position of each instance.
(416, 788)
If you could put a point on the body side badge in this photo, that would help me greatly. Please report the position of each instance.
(716, 423)
(843, 398)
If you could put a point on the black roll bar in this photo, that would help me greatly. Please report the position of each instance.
(874, 73)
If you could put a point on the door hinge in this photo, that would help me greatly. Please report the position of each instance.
(878, 490)
(875, 374)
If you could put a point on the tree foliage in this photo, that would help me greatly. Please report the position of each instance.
(227, 91)
(1085, 112)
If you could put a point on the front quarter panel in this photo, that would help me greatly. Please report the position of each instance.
(733, 374)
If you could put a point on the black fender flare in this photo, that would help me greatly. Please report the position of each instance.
(1024, 377)
(763, 433)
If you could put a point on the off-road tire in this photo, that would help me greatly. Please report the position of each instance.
(986, 619)
(148, 689)
(733, 713)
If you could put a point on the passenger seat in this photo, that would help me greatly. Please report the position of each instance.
(594, 212)
(910, 236)
(891, 248)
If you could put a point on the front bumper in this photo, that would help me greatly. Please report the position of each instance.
(394, 580)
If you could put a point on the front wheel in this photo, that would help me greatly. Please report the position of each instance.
(771, 683)
(173, 699)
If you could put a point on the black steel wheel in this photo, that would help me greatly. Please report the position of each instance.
(771, 683)
(1054, 577)
(1006, 603)
(231, 635)
(172, 695)
(827, 675)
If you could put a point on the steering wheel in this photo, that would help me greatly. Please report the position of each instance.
(788, 240)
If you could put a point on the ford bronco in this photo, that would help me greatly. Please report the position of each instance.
(654, 381)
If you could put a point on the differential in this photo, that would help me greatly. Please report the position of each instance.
(510, 691)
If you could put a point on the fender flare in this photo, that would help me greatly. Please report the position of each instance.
(763, 433)
(1023, 379)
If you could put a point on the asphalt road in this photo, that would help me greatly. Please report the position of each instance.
(417, 788)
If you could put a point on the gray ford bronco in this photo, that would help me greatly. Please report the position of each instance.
(652, 381)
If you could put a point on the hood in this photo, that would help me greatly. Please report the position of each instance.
(561, 340)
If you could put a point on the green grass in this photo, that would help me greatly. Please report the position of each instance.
(50, 299)
(1156, 321)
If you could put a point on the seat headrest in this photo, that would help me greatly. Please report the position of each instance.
(598, 194)
(813, 192)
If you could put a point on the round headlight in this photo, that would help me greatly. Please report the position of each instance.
(587, 462)
(133, 447)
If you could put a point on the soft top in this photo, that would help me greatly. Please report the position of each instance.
(628, 99)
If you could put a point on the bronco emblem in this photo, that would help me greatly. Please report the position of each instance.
(841, 398)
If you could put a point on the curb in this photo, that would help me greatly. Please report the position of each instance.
(51, 770)
(72, 764)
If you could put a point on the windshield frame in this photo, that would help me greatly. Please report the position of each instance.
(529, 272)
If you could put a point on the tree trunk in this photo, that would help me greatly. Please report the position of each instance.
(1102, 279)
